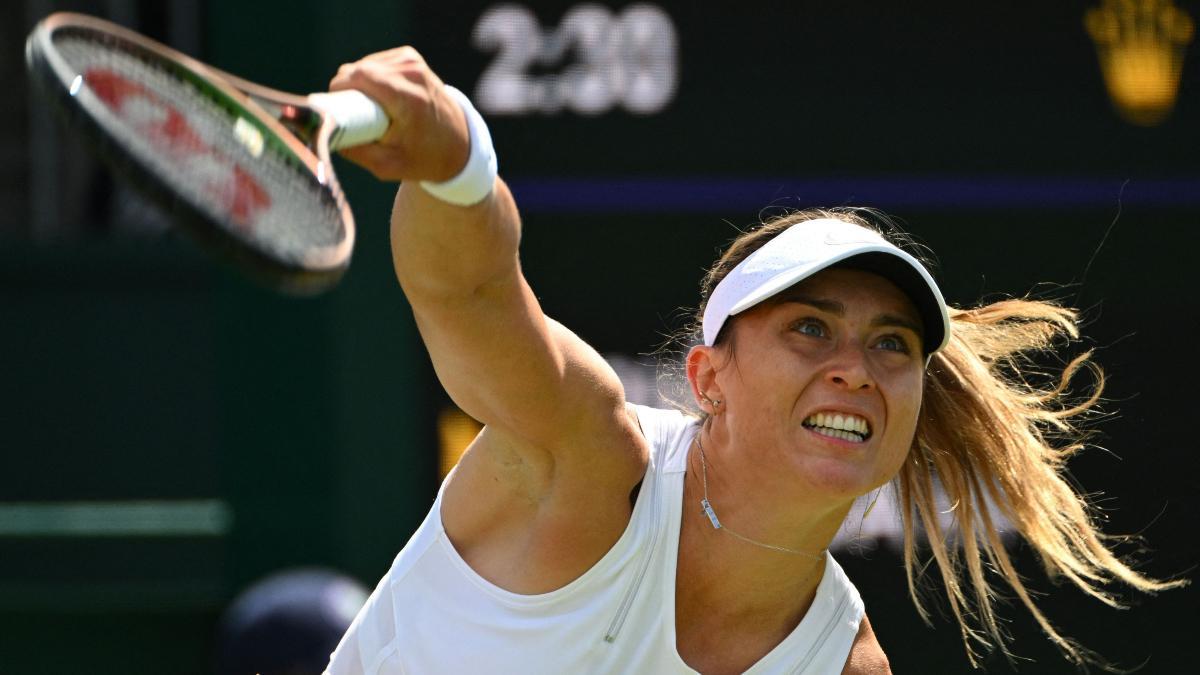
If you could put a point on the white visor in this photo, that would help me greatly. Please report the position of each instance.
(811, 246)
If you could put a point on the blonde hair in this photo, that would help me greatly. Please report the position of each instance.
(996, 442)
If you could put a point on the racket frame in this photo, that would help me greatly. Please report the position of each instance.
(287, 119)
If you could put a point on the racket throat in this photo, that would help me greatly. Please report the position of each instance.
(302, 122)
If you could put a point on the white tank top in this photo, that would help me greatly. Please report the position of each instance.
(431, 613)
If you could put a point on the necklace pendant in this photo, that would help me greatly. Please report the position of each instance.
(712, 515)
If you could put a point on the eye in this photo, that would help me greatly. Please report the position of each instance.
(894, 343)
(810, 327)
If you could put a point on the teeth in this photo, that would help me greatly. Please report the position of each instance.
(848, 427)
(839, 433)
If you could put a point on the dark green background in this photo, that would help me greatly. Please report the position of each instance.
(135, 369)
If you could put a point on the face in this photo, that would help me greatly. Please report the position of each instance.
(823, 383)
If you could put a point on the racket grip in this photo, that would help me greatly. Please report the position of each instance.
(359, 120)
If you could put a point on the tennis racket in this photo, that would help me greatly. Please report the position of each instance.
(243, 168)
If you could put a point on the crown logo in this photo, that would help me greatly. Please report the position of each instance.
(1140, 44)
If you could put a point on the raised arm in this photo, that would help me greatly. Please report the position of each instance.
(546, 394)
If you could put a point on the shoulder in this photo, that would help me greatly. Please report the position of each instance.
(866, 656)
(662, 429)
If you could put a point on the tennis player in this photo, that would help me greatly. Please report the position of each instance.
(582, 534)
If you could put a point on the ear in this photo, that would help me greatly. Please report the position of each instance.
(702, 366)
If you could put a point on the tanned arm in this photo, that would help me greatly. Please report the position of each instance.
(866, 656)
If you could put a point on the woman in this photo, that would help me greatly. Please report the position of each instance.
(582, 534)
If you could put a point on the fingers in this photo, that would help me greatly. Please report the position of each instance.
(398, 86)
(427, 138)
(403, 60)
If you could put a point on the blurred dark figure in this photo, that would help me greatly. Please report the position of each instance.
(287, 623)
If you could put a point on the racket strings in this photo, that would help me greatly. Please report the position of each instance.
(215, 155)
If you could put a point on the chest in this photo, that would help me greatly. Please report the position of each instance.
(717, 628)
(719, 647)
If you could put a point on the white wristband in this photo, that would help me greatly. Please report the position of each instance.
(475, 181)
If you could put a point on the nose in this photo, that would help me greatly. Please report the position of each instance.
(848, 369)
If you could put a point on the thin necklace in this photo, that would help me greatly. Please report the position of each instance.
(716, 523)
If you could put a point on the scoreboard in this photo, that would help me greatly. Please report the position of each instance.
(807, 88)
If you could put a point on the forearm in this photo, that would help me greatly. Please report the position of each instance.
(442, 251)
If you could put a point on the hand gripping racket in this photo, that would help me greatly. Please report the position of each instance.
(243, 168)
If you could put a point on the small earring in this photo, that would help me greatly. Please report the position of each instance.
(712, 402)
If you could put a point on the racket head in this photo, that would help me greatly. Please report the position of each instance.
(228, 172)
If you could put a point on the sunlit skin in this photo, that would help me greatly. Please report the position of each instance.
(543, 493)
(842, 341)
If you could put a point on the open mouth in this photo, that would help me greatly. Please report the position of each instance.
(839, 425)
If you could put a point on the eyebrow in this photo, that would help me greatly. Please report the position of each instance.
(899, 322)
(838, 309)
